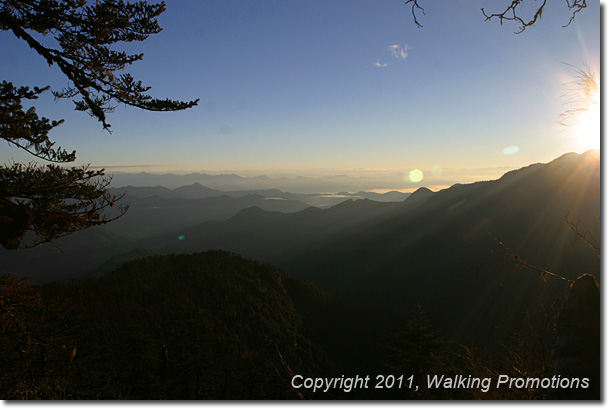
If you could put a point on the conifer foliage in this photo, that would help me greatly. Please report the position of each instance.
(80, 38)
(416, 350)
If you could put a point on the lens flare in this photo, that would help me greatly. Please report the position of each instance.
(437, 171)
(416, 175)
(510, 150)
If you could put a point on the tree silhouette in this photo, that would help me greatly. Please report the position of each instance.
(416, 350)
(51, 200)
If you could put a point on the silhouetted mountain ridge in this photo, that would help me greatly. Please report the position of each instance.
(438, 252)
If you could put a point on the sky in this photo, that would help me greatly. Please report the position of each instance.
(334, 87)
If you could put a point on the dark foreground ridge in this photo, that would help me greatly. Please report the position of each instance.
(203, 326)
(217, 326)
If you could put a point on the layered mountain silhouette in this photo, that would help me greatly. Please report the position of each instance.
(445, 250)
(198, 191)
(155, 211)
(155, 215)
(455, 252)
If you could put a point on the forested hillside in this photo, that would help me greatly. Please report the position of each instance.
(217, 326)
(201, 326)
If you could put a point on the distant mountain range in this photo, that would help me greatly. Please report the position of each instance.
(155, 215)
(198, 191)
(445, 251)
(154, 212)
(157, 210)
(364, 181)
(233, 182)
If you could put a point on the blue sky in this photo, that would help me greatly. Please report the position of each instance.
(341, 86)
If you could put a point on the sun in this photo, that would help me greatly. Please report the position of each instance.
(587, 128)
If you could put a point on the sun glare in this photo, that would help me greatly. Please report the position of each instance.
(583, 108)
(587, 128)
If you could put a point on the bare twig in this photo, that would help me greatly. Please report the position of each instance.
(515, 258)
(511, 13)
(414, 7)
(586, 236)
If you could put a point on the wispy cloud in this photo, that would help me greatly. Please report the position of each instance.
(398, 51)
(125, 166)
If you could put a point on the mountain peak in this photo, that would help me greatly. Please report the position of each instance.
(422, 190)
(418, 197)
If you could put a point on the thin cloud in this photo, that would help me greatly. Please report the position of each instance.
(378, 64)
(398, 51)
(124, 166)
